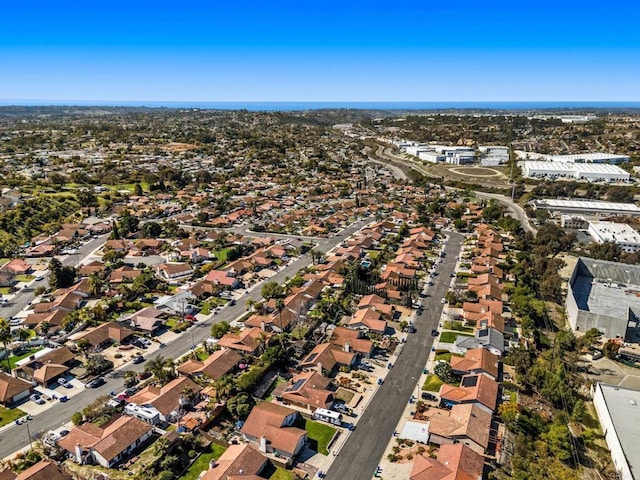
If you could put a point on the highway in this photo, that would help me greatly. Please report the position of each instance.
(12, 439)
(363, 449)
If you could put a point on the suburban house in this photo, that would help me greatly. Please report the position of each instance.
(468, 424)
(17, 266)
(454, 462)
(13, 390)
(224, 278)
(238, 462)
(48, 368)
(147, 321)
(124, 274)
(352, 341)
(170, 399)
(249, 340)
(43, 470)
(309, 390)
(178, 304)
(368, 319)
(215, 366)
(172, 272)
(102, 336)
(488, 338)
(270, 427)
(477, 360)
(108, 445)
(326, 357)
(475, 388)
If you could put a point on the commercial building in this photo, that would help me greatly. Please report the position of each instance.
(574, 171)
(604, 295)
(587, 207)
(576, 222)
(618, 410)
(492, 156)
(610, 158)
(453, 155)
(627, 238)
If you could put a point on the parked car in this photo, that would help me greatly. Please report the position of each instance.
(144, 375)
(428, 396)
(138, 359)
(36, 398)
(96, 382)
(434, 333)
(443, 301)
(65, 383)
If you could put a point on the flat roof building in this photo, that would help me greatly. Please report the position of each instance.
(604, 295)
(599, 157)
(592, 207)
(574, 171)
(618, 410)
(627, 238)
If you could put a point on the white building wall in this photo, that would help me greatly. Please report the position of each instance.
(617, 454)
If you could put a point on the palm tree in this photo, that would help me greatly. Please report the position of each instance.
(24, 334)
(44, 328)
(250, 304)
(128, 376)
(5, 338)
(223, 386)
(156, 366)
(95, 284)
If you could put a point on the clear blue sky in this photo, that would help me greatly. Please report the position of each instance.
(396, 50)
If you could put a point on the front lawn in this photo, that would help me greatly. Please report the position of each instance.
(16, 358)
(24, 278)
(320, 435)
(213, 451)
(221, 254)
(9, 415)
(282, 474)
(446, 356)
(432, 383)
(450, 337)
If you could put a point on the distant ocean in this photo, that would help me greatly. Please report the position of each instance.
(298, 106)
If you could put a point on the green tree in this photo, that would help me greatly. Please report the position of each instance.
(152, 229)
(270, 290)
(444, 372)
(5, 338)
(219, 329)
(59, 275)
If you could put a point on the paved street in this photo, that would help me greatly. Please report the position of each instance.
(61, 412)
(22, 298)
(359, 457)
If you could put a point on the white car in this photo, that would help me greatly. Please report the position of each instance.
(443, 301)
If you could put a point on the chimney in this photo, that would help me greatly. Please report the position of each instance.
(262, 326)
(263, 445)
(319, 367)
(347, 347)
(78, 454)
(212, 464)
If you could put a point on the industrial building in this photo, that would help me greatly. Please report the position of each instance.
(606, 296)
(442, 154)
(574, 171)
(607, 158)
(587, 207)
(618, 410)
(493, 156)
(623, 235)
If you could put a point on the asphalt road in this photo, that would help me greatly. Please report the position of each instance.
(12, 439)
(361, 454)
(22, 298)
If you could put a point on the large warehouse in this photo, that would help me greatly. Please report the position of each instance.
(623, 235)
(574, 171)
(604, 295)
(610, 158)
(618, 410)
(587, 207)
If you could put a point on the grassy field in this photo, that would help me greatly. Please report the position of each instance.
(320, 434)
(5, 290)
(213, 451)
(432, 383)
(24, 278)
(446, 356)
(282, 474)
(450, 337)
(221, 254)
(8, 415)
(16, 358)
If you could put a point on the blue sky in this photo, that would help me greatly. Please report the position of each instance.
(137, 50)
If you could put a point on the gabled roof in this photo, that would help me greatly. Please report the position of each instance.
(238, 462)
(468, 420)
(44, 470)
(478, 388)
(328, 355)
(11, 386)
(268, 420)
(165, 399)
(216, 365)
(104, 332)
(309, 388)
(477, 360)
(248, 340)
